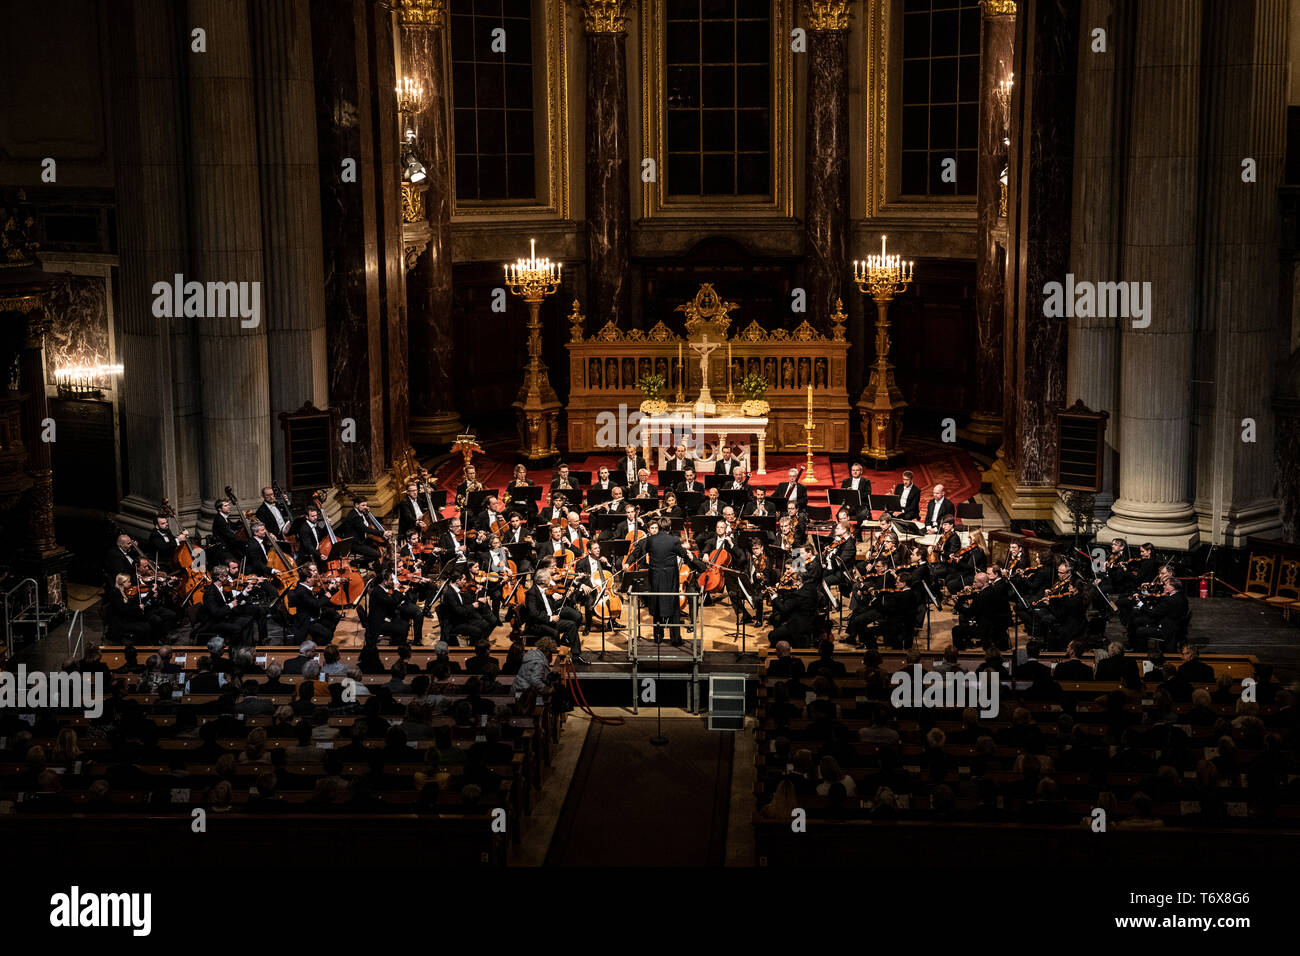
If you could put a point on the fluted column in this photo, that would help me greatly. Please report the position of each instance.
(990, 263)
(609, 209)
(1038, 253)
(226, 246)
(826, 177)
(1160, 248)
(1101, 109)
(294, 292)
(160, 382)
(431, 333)
(1237, 344)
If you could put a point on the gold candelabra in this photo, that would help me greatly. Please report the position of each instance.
(882, 277)
(537, 406)
(410, 96)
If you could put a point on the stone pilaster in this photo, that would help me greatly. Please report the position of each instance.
(1160, 247)
(161, 425)
(990, 265)
(294, 293)
(226, 246)
(826, 175)
(431, 332)
(1243, 81)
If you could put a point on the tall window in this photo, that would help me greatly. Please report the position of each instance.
(718, 95)
(940, 97)
(492, 99)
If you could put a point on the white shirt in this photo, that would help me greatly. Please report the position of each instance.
(549, 612)
(416, 505)
(275, 513)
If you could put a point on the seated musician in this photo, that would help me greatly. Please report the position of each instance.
(254, 592)
(796, 607)
(391, 611)
(366, 532)
(839, 556)
(720, 538)
(411, 557)
(589, 585)
(410, 509)
(617, 503)
(310, 531)
(124, 617)
(709, 507)
(670, 508)
(225, 528)
(791, 490)
(1129, 575)
(787, 537)
(983, 613)
(759, 577)
(162, 544)
(491, 519)
(873, 609)
(274, 514)
(546, 617)
(855, 482)
(556, 508)
(495, 561)
(603, 481)
(566, 484)
(726, 465)
(520, 479)
(1160, 614)
(909, 499)
(798, 520)
(575, 535)
(464, 614)
(624, 529)
(689, 484)
(629, 466)
(757, 508)
(227, 610)
(517, 533)
(1059, 616)
(938, 508)
(555, 546)
(453, 542)
(966, 562)
(642, 488)
(259, 550)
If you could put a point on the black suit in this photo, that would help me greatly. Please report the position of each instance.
(864, 489)
(462, 617)
(727, 467)
(309, 539)
(798, 612)
(235, 624)
(662, 553)
(265, 516)
(406, 516)
(224, 530)
(355, 526)
(1117, 668)
(619, 472)
(696, 487)
(640, 489)
(935, 512)
(911, 508)
(315, 616)
(782, 494)
(118, 562)
(538, 622)
(391, 615)
(161, 548)
(676, 464)
(1072, 669)
(255, 561)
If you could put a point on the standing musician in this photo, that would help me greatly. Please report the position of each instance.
(663, 553)
(410, 510)
(630, 466)
(274, 514)
(587, 571)
(726, 465)
(359, 523)
(689, 484)
(310, 532)
(855, 482)
(464, 613)
(547, 616)
(791, 490)
(795, 604)
(162, 544)
(937, 509)
(225, 528)
(909, 499)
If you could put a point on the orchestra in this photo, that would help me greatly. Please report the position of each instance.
(490, 557)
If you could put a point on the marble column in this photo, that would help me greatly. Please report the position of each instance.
(1244, 84)
(388, 229)
(294, 292)
(609, 206)
(1160, 248)
(432, 334)
(1286, 449)
(990, 264)
(225, 227)
(1040, 175)
(350, 233)
(826, 176)
(1092, 374)
(160, 383)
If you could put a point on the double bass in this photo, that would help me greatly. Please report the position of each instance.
(189, 585)
(351, 583)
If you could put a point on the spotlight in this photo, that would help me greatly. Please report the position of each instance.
(414, 171)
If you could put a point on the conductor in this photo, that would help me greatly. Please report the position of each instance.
(663, 551)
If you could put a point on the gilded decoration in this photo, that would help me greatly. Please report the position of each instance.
(576, 320)
(422, 13)
(605, 16)
(837, 322)
(998, 8)
(413, 202)
(707, 313)
(827, 14)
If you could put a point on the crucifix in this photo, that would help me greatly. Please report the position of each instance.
(705, 402)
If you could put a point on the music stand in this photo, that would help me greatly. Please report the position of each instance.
(714, 481)
(844, 497)
(582, 478)
(598, 496)
(474, 500)
(736, 497)
(689, 501)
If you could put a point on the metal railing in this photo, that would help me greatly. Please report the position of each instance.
(28, 600)
(695, 643)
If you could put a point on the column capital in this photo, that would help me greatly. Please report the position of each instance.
(605, 16)
(998, 8)
(430, 14)
(827, 15)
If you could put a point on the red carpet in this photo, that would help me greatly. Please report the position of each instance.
(931, 463)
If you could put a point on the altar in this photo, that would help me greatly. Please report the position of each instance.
(665, 432)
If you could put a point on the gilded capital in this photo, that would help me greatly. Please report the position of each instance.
(423, 13)
(605, 16)
(827, 15)
(998, 8)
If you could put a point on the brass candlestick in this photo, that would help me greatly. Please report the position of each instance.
(882, 277)
(537, 406)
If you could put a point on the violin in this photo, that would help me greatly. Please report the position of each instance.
(1055, 592)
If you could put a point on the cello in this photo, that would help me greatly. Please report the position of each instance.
(352, 584)
(189, 586)
(711, 578)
